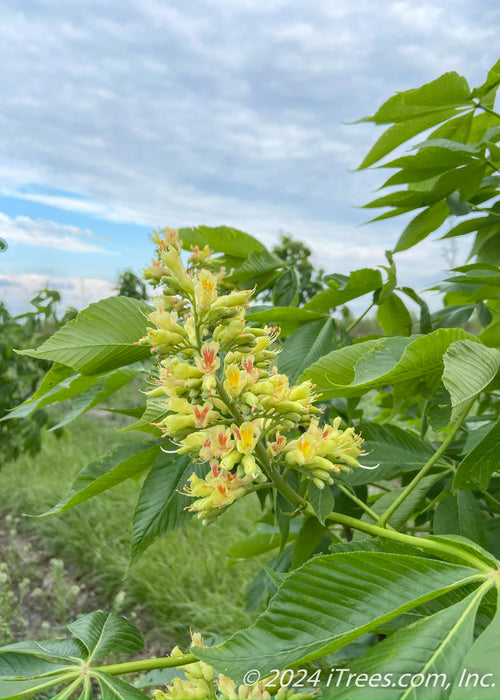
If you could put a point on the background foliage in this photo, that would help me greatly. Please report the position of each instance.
(407, 551)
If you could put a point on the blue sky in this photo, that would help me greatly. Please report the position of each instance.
(119, 117)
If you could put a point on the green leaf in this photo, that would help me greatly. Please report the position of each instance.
(471, 149)
(482, 659)
(321, 500)
(351, 371)
(491, 83)
(322, 606)
(477, 467)
(432, 648)
(460, 514)
(425, 314)
(457, 206)
(305, 346)
(424, 223)
(106, 633)
(255, 545)
(468, 369)
(463, 128)
(358, 283)
(114, 688)
(463, 545)
(411, 199)
(257, 264)
(154, 412)
(112, 468)
(286, 288)
(310, 535)
(100, 338)
(408, 507)
(221, 239)
(438, 409)
(433, 157)
(17, 665)
(66, 389)
(395, 135)
(450, 89)
(161, 503)
(393, 316)
(97, 393)
(56, 374)
(288, 318)
(12, 689)
(53, 649)
(468, 226)
(395, 450)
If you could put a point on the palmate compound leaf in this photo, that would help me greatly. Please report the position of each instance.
(330, 601)
(434, 647)
(100, 338)
(30, 668)
(353, 370)
(119, 464)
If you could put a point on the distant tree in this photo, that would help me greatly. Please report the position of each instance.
(129, 284)
(297, 254)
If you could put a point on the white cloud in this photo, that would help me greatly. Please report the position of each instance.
(47, 234)
(17, 290)
(163, 113)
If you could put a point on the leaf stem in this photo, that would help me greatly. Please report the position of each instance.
(374, 516)
(437, 548)
(384, 518)
(360, 318)
(146, 664)
(490, 499)
(488, 109)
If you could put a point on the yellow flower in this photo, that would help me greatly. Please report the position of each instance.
(235, 381)
(218, 490)
(246, 435)
(205, 290)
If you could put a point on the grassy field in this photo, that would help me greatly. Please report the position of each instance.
(79, 559)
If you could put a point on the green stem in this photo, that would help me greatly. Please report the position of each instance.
(384, 518)
(437, 548)
(374, 516)
(360, 318)
(147, 664)
(489, 110)
(490, 499)
(490, 212)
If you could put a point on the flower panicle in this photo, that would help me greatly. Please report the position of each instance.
(219, 393)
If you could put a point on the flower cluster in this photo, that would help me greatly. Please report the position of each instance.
(201, 684)
(225, 401)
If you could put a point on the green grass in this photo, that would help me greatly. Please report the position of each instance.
(180, 582)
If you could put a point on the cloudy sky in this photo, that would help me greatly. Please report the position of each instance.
(123, 116)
